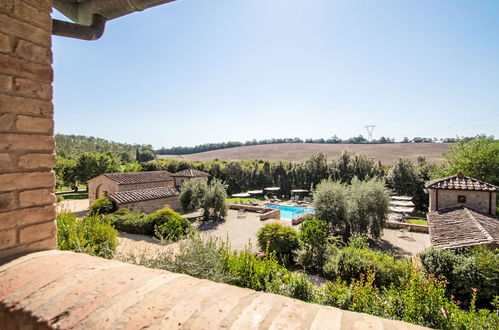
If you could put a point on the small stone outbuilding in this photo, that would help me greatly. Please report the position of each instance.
(180, 177)
(462, 212)
(142, 191)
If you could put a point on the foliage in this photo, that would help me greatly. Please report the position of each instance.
(215, 202)
(419, 299)
(72, 146)
(359, 208)
(278, 239)
(406, 179)
(192, 194)
(477, 158)
(90, 165)
(466, 270)
(133, 223)
(65, 173)
(101, 206)
(131, 167)
(356, 259)
(90, 235)
(169, 225)
(313, 242)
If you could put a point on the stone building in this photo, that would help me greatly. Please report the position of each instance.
(462, 212)
(142, 191)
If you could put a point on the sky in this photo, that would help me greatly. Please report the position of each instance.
(198, 71)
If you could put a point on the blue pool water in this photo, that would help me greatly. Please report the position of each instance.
(289, 212)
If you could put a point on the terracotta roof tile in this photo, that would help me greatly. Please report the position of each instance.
(460, 226)
(191, 173)
(139, 177)
(460, 182)
(131, 196)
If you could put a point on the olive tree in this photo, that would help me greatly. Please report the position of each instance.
(192, 194)
(357, 209)
(215, 202)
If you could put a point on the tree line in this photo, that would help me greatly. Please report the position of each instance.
(333, 140)
(73, 146)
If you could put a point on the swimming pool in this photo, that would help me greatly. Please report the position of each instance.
(289, 212)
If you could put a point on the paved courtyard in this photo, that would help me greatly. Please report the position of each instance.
(241, 231)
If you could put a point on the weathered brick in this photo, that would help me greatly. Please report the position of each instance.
(15, 27)
(7, 162)
(22, 217)
(47, 244)
(37, 232)
(16, 181)
(21, 105)
(33, 53)
(26, 142)
(5, 82)
(32, 88)
(32, 161)
(31, 14)
(8, 201)
(23, 68)
(4, 43)
(44, 5)
(36, 197)
(6, 6)
(7, 121)
(34, 124)
(7, 238)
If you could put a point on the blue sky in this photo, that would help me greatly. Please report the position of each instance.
(193, 72)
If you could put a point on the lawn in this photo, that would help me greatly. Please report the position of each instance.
(73, 195)
(417, 221)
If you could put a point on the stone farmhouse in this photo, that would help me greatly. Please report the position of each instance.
(142, 191)
(462, 212)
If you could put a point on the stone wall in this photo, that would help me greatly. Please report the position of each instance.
(181, 179)
(27, 210)
(478, 200)
(98, 185)
(150, 206)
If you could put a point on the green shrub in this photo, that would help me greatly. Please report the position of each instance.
(90, 235)
(132, 223)
(169, 225)
(279, 239)
(313, 242)
(351, 263)
(101, 206)
(293, 285)
(465, 270)
(248, 271)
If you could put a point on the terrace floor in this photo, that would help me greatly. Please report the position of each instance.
(242, 231)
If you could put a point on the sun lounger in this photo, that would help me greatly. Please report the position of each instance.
(276, 199)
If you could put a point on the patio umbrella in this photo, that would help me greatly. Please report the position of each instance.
(255, 192)
(272, 188)
(297, 191)
(241, 195)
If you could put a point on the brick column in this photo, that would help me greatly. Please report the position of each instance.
(27, 210)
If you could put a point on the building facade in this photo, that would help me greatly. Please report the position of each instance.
(142, 191)
(462, 212)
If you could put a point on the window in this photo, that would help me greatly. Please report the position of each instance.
(461, 199)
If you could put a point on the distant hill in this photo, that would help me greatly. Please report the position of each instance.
(299, 152)
(71, 146)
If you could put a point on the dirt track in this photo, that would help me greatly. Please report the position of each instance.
(298, 152)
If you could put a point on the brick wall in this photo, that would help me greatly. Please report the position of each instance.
(98, 185)
(27, 209)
